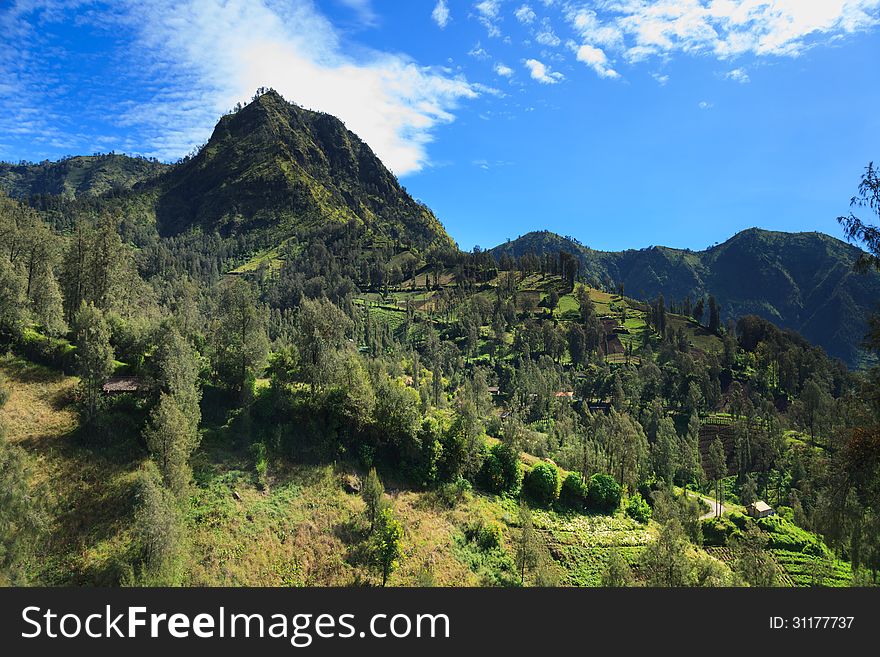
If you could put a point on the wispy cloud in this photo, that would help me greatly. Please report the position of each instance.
(194, 59)
(504, 71)
(661, 79)
(525, 14)
(441, 14)
(640, 29)
(363, 9)
(738, 75)
(546, 36)
(489, 14)
(542, 73)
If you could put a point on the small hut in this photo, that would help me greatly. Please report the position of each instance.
(759, 509)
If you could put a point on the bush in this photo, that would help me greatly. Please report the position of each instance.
(637, 509)
(261, 464)
(486, 534)
(453, 492)
(604, 493)
(719, 531)
(502, 472)
(543, 483)
(574, 491)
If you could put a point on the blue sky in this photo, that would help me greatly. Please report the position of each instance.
(624, 123)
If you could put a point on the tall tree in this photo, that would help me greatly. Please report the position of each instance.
(718, 467)
(714, 316)
(239, 341)
(94, 358)
(321, 329)
(373, 494)
(171, 436)
(528, 551)
(157, 531)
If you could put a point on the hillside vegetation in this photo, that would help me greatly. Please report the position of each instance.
(801, 281)
(252, 391)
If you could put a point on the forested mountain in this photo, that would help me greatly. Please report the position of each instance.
(801, 281)
(90, 175)
(276, 168)
(201, 372)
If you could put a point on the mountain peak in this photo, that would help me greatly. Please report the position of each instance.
(275, 167)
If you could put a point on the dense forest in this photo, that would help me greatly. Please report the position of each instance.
(355, 401)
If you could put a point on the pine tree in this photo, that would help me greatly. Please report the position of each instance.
(94, 358)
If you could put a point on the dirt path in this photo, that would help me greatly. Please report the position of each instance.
(716, 509)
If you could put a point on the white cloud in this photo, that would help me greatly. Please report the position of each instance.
(478, 52)
(504, 71)
(441, 13)
(488, 13)
(596, 59)
(540, 72)
(194, 59)
(661, 79)
(363, 9)
(525, 15)
(705, 105)
(723, 28)
(546, 36)
(738, 75)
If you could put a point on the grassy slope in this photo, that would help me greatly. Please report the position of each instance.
(304, 530)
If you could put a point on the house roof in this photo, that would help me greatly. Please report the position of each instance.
(760, 506)
(123, 384)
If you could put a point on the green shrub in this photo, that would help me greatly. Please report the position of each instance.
(502, 471)
(543, 483)
(453, 492)
(604, 493)
(637, 509)
(718, 532)
(486, 534)
(574, 491)
(261, 464)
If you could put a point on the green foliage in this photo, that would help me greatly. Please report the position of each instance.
(542, 483)
(574, 491)
(239, 342)
(638, 509)
(261, 464)
(488, 534)
(82, 175)
(321, 332)
(617, 573)
(94, 358)
(386, 543)
(502, 471)
(719, 531)
(373, 494)
(604, 493)
(785, 535)
(171, 437)
(157, 531)
(22, 515)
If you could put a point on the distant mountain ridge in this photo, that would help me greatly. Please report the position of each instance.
(802, 281)
(89, 175)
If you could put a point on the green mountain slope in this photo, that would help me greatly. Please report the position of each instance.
(84, 175)
(275, 168)
(801, 281)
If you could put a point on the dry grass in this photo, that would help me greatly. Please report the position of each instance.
(86, 489)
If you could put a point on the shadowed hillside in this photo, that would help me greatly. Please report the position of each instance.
(800, 281)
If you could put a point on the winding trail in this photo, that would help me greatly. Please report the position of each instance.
(716, 509)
